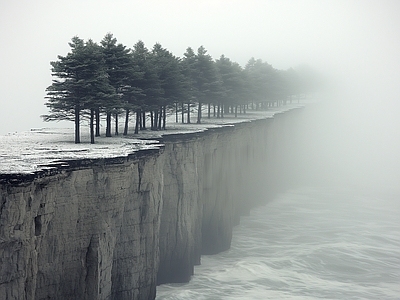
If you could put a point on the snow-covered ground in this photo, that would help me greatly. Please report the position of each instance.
(30, 151)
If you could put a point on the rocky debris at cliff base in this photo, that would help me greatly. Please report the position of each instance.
(30, 151)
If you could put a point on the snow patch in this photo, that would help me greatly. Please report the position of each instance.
(40, 148)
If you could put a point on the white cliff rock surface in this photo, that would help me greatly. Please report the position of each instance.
(89, 232)
(115, 227)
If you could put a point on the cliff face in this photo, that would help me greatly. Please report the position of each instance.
(113, 229)
(212, 178)
(90, 232)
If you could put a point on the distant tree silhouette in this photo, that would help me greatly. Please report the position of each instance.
(233, 84)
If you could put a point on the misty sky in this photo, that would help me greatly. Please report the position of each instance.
(350, 38)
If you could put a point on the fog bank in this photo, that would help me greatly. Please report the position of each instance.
(351, 138)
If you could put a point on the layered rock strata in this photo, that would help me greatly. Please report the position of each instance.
(115, 228)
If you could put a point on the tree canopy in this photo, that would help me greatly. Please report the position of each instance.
(94, 80)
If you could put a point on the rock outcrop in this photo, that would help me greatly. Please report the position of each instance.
(115, 228)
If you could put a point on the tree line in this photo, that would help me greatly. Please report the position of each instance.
(108, 80)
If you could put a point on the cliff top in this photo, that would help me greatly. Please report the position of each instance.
(34, 150)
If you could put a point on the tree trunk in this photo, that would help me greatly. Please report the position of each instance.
(77, 121)
(151, 120)
(209, 111)
(176, 113)
(199, 113)
(116, 124)
(183, 112)
(108, 125)
(160, 118)
(137, 121)
(219, 109)
(235, 111)
(188, 113)
(92, 126)
(155, 119)
(126, 122)
(97, 122)
(214, 110)
(164, 117)
(143, 119)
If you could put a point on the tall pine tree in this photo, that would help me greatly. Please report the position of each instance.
(171, 81)
(81, 84)
(122, 72)
(188, 69)
(206, 79)
(149, 84)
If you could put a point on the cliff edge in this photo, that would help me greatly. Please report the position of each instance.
(114, 227)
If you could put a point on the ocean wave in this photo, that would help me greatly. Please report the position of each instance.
(310, 243)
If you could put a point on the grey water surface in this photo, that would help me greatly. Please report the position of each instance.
(309, 243)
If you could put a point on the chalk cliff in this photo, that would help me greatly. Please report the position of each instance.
(115, 228)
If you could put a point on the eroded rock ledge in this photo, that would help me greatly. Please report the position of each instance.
(114, 228)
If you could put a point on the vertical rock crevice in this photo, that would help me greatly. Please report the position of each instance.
(38, 225)
(92, 269)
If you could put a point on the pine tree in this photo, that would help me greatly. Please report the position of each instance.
(188, 69)
(260, 75)
(81, 84)
(206, 79)
(122, 73)
(111, 78)
(170, 78)
(149, 84)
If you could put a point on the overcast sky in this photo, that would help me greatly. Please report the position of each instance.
(353, 39)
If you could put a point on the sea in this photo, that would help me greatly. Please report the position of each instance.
(307, 243)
